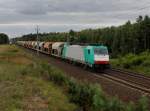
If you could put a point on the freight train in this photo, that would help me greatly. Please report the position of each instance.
(92, 55)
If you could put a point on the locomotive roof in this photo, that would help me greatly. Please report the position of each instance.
(100, 46)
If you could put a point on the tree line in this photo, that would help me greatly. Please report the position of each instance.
(4, 38)
(123, 39)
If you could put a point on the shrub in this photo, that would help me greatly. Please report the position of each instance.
(115, 62)
(137, 61)
(86, 95)
(114, 105)
(146, 63)
(24, 70)
(46, 67)
(130, 107)
(99, 100)
(59, 78)
(126, 65)
(74, 90)
(90, 96)
(142, 104)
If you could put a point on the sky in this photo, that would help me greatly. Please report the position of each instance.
(19, 17)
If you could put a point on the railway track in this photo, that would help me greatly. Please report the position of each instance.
(133, 86)
(132, 73)
(133, 80)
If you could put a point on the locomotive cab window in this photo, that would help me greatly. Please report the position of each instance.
(103, 51)
(88, 51)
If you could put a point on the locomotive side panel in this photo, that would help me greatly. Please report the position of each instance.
(75, 53)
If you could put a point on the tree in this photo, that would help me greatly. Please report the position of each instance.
(4, 38)
(121, 40)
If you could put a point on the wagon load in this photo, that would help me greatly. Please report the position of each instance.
(41, 46)
(30, 44)
(48, 47)
(34, 45)
(33, 42)
(57, 48)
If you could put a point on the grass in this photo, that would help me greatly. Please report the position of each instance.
(30, 84)
(22, 89)
(138, 63)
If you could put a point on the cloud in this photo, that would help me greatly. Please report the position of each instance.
(32, 7)
(90, 6)
(62, 15)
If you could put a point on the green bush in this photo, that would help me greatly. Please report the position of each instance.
(59, 78)
(99, 100)
(130, 107)
(126, 65)
(86, 95)
(139, 63)
(142, 104)
(74, 91)
(137, 60)
(146, 63)
(114, 105)
(89, 97)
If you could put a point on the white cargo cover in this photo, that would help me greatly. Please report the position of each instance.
(41, 44)
(75, 52)
(33, 44)
(57, 45)
(57, 48)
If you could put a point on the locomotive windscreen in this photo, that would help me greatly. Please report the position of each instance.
(102, 51)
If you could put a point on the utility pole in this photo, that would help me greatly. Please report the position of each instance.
(37, 39)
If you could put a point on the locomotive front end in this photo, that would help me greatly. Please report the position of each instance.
(101, 56)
